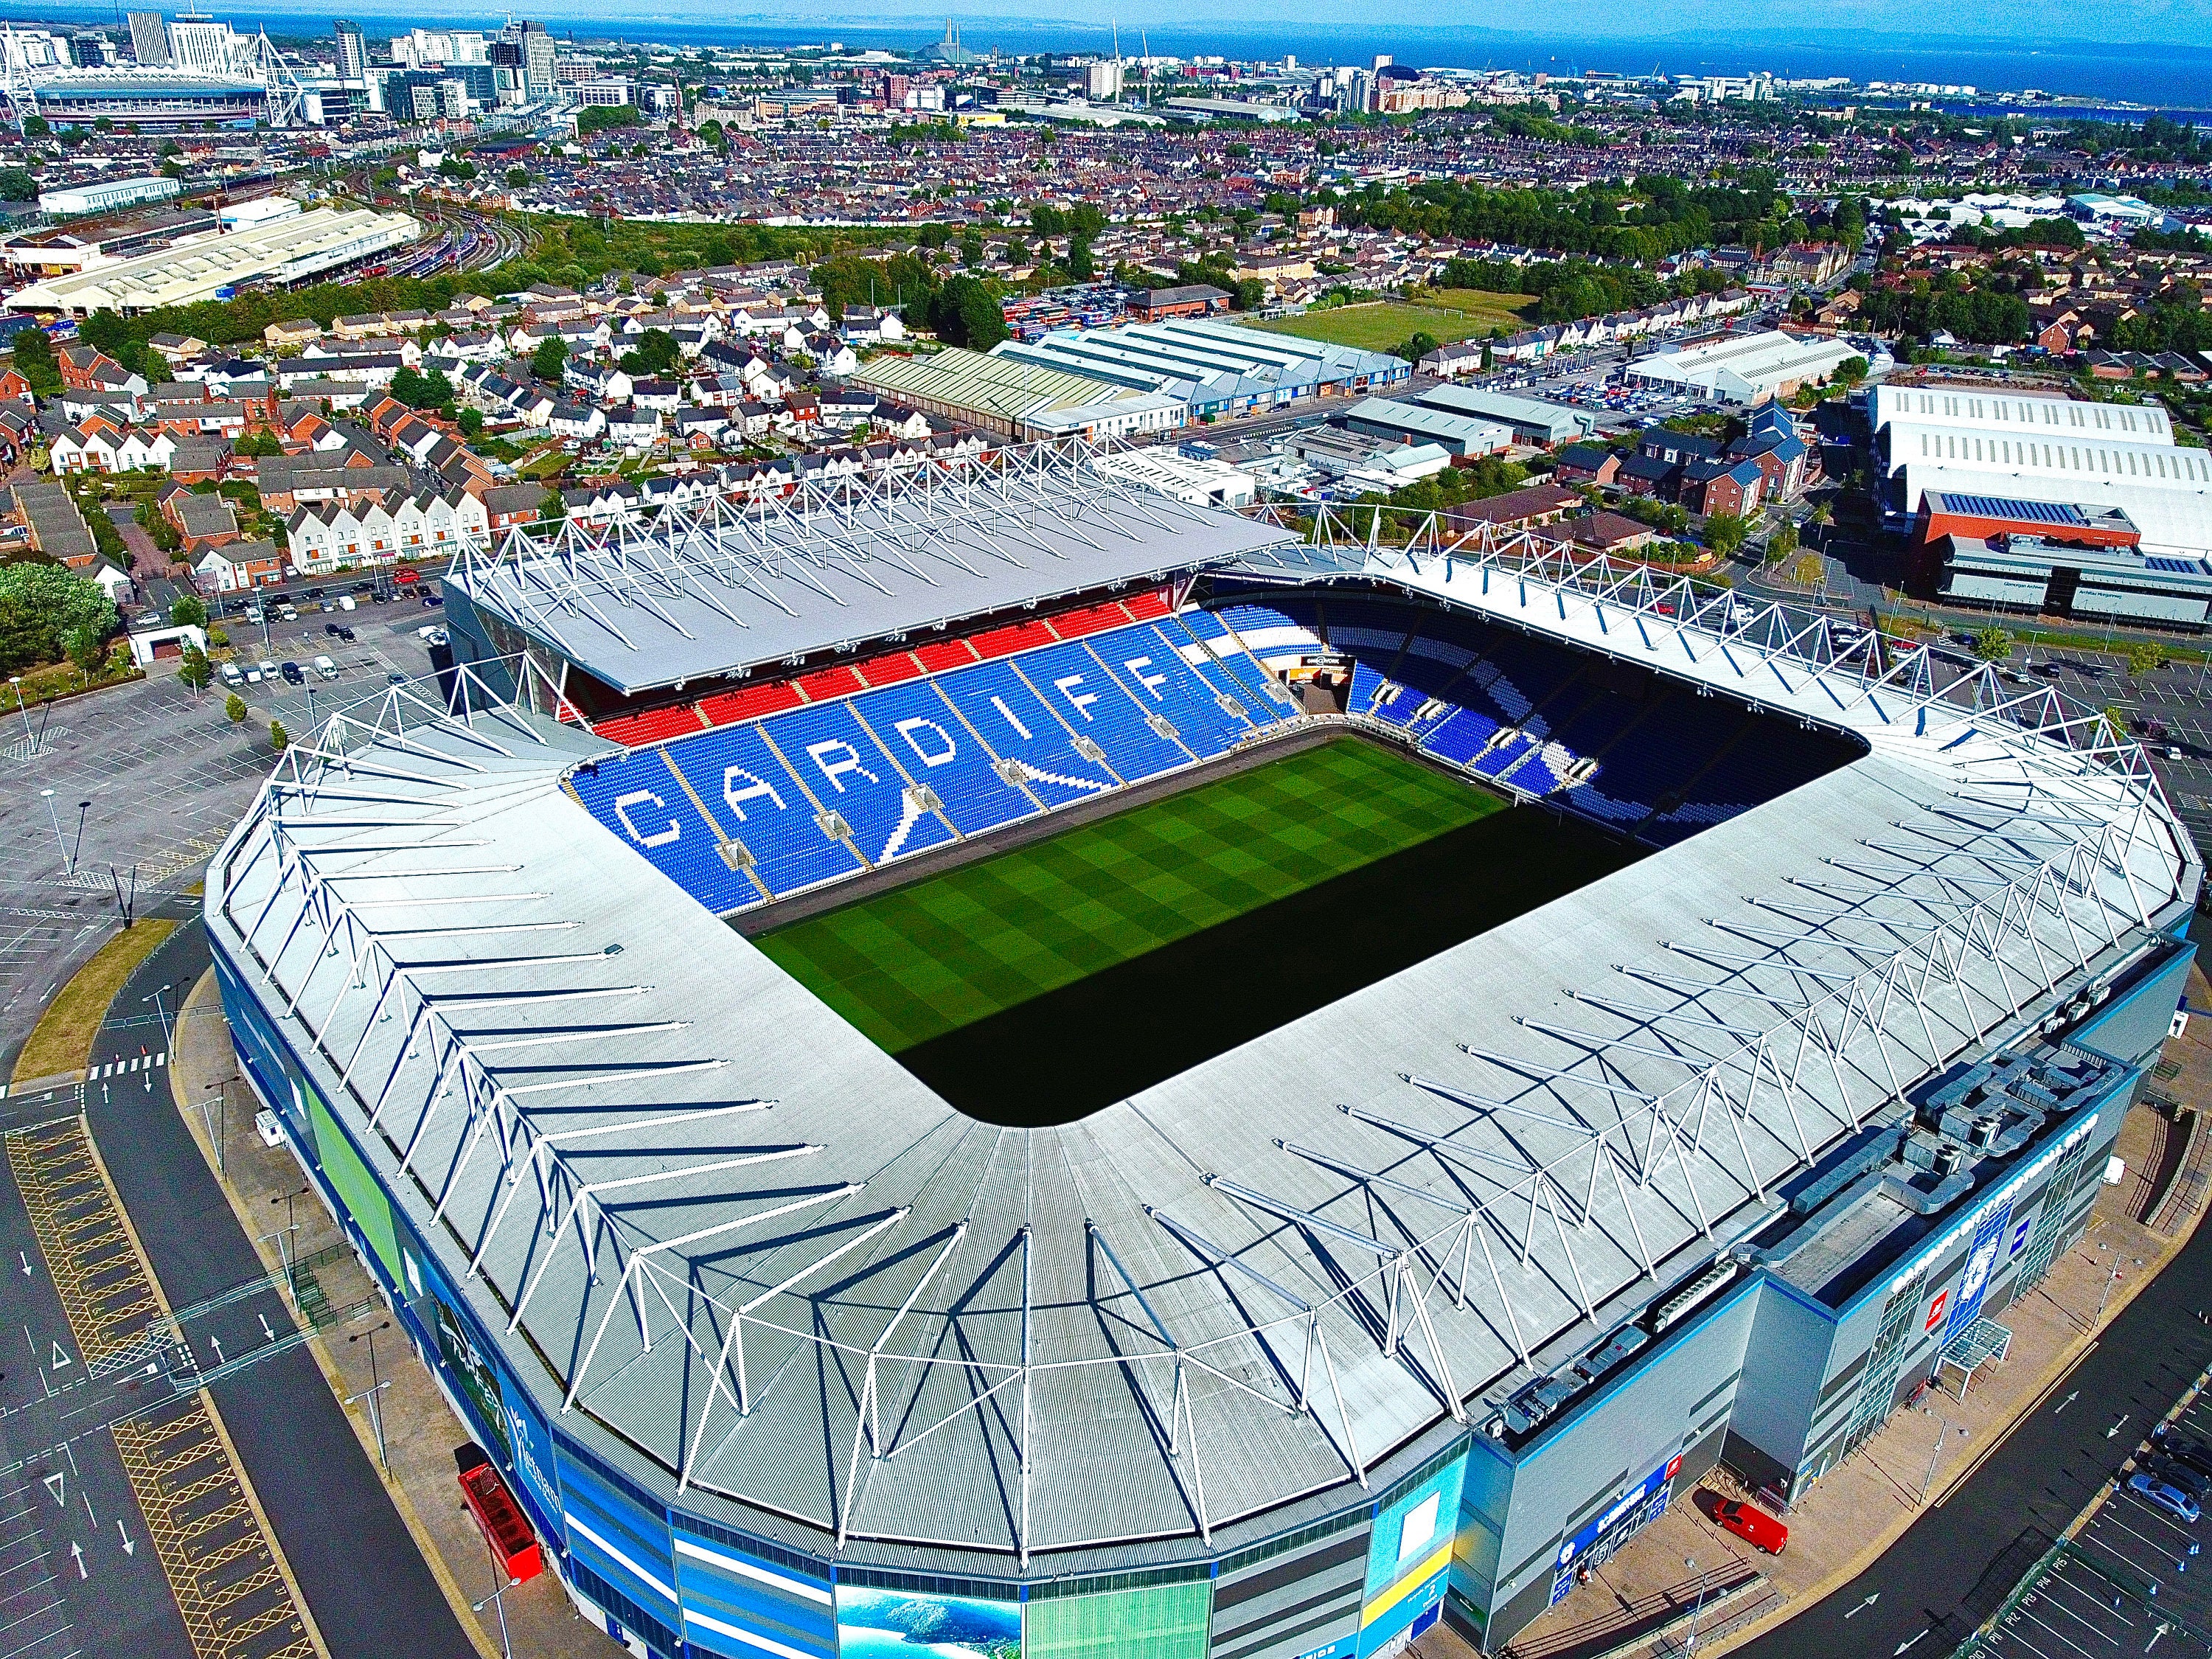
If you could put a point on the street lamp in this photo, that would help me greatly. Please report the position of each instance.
(375, 1388)
(168, 1043)
(219, 1128)
(1690, 1642)
(30, 741)
(54, 818)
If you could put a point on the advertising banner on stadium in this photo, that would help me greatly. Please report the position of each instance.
(1613, 1526)
(876, 1624)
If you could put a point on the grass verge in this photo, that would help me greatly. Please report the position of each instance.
(62, 1042)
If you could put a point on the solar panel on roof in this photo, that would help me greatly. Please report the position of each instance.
(1998, 506)
(2179, 567)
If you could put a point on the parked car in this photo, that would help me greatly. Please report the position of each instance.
(233, 675)
(395, 678)
(433, 601)
(331, 628)
(326, 668)
(406, 578)
(2178, 1475)
(293, 674)
(2171, 1442)
(2152, 1490)
(348, 636)
(1751, 1524)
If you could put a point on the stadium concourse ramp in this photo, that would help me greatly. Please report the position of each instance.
(1421, 1298)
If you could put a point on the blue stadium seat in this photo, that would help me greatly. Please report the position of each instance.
(1507, 756)
(1162, 683)
(935, 747)
(1460, 737)
(1366, 683)
(1262, 711)
(1250, 684)
(851, 775)
(637, 797)
(1093, 704)
(758, 801)
(1007, 714)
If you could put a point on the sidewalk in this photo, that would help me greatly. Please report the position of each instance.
(420, 1430)
(1842, 1524)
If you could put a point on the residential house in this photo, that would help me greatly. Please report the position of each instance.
(240, 566)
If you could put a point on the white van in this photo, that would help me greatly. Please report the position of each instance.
(346, 602)
(326, 668)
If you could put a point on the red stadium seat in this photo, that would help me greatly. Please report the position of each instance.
(941, 654)
(728, 708)
(652, 725)
(1005, 641)
(891, 669)
(1096, 619)
(828, 683)
(1147, 607)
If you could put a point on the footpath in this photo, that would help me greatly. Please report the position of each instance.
(409, 1432)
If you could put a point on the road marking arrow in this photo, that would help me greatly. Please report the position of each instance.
(2115, 1429)
(1901, 1646)
(1863, 1605)
(130, 1545)
(2064, 1403)
(216, 1342)
(77, 1550)
(265, 1331)
(25, 1259)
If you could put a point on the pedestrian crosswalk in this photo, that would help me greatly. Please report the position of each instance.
(123, 1067)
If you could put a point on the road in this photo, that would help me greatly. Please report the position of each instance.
(358, 1566)
(1954, 1566)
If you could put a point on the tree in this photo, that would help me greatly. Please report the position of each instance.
(547, 361)
(1993, 644)
(35, 358)
(279, 738)
(17, 185)
(1781, 544)
(188, 610)
(965, 312)
(472, 423)
(655, 353)
(194, 669)
(86, 646)
(234, 708)
(517, 177)
(2145, 656)
(40, 603)
(552, 509)
(37, 126)
(1725, 532)
(1850, 371)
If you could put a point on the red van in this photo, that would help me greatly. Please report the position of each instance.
(1754, 1526)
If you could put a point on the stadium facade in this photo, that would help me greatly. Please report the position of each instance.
(1406, 1309)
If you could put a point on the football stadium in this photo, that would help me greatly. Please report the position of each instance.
(991, 1058)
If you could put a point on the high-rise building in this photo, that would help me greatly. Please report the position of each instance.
(196, 41)
(149, 38)
(538, 76)
(353, 52)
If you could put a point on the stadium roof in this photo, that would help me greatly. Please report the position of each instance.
(763, 1257)
(712, 590)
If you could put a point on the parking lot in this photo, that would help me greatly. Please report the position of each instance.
(329, 673)
(121, 795)
(2131, 1581)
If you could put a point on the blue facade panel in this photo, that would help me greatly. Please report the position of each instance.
(622, 1543)
(739, 1607)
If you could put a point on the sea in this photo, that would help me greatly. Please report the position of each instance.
(2120, 79)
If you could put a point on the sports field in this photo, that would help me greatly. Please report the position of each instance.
(1056, 977)
(1446, 315)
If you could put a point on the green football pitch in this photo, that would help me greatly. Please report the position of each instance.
(1206, 918)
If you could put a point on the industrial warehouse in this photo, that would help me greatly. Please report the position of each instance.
(1403, 1308)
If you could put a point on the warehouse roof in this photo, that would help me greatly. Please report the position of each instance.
(201, 269)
